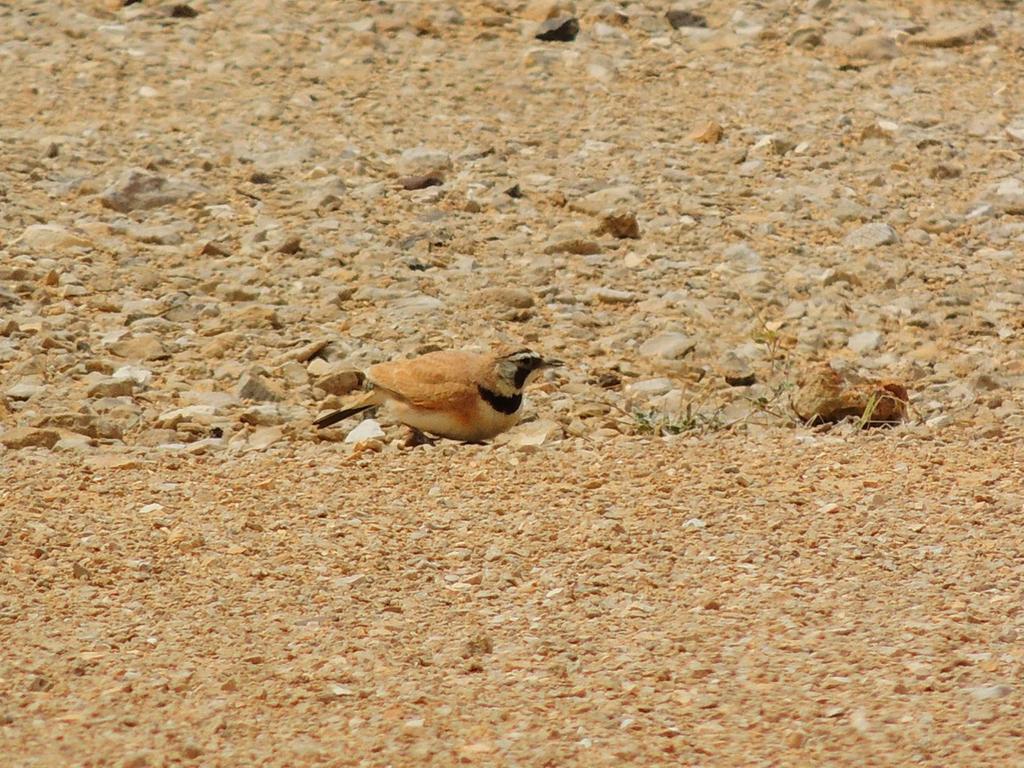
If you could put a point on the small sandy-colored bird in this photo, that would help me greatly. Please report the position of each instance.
(458, 395)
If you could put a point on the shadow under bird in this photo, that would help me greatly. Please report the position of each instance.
(459, 395)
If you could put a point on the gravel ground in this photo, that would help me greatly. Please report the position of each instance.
(211, 213)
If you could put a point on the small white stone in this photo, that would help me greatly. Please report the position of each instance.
(535, 433)
(987, 692)
(651, 387)
(870, 236)
(368, 429)
(141, 376)
(865, 341)
(668, 346)
(265, 437)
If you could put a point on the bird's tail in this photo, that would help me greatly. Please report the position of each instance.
(364, 402)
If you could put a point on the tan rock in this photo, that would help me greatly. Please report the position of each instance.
(52, 237)
(542, 10)
(706, 133)
(607, 199)
(340, 382)
(143, 347)
(111, 388)
(29, 437)
(870, 49)
(535, 434)
(824, 396)
(139, 189)
(954, 35)
(620, 223)
(580, 246)
(253, 386)
(83, 424)
(264, 437)
(504, 296)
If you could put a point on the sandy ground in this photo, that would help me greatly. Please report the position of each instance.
(211, 213)
(797, 600)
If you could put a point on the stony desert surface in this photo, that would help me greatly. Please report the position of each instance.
(212, 213)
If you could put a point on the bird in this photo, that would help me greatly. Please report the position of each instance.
(458, 395)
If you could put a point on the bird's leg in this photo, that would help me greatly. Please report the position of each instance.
(416, 438)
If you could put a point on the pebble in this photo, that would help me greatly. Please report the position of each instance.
(737, 371)
(989, 692)
(568, 242)
(542, 10)
(139, 376)
(367, 429)
(709, 132)
(136, 189)
(605, 200)
(425, 162)
(825, 396)
(542, 59)
(806, 38)
(141, 347)
(609, 296)
(264, 437)
(870, 236)
(111, 387)
(872, 48)
(340, 382)
(505, 296)
(25, 389)
(29, 437)
(534, 434)
(73, 443)
(683, 17)
(271, 415)
(199, 414)
(650, 387)
(84, 424)
(51, 237)
(954, 34)
(411, 306)
(561, 29)
(423, 181)
(668, 346)
(742, 255)
(865, 341)
(1008, 196)
(620, 223)
(253, 386)
(847, 210)
(164, 234)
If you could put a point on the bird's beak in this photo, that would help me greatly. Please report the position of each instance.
(553, 363)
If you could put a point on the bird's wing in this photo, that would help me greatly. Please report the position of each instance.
(435, 380)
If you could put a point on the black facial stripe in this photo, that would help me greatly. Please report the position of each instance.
(521, 373)
(506, 405)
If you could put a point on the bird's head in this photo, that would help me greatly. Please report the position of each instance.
(518, 368)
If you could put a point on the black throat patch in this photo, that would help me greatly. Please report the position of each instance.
(506, 405)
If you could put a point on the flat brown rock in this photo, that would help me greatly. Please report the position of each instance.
(29, 437)
(953, 35)
(824, 396)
